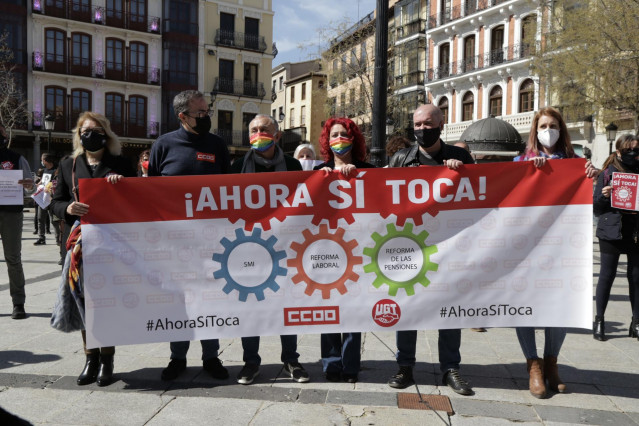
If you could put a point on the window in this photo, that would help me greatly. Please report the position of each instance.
(250, 79)
(80, 102)
(469, 54)
(115, 13)
(281, 83)
(226, 76)
(115, 58)
(227, 29)
(252, 33)
(180, 61)
(467, 106)
(280, 115)
(55, 104)
(303, 91)
(497, 45)
(527, 96)
(444, 60)
(183, 16)
(292, 93)
(291, 119)
(55, 54)
(273, 114)
(443, 106)
(273, 86)
(137, 117)
(320, 84)
(79, 10)
(137, 15)
(80, 54)
(303, 116)
(114, 111)
(495, 101)
(137, 62)
(528, 34)
(364, 56)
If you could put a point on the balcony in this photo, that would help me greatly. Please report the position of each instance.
(239, 87)
(123, 129)
(76, 11)
(410, 29)
(233, 137)
(238, 40)
(412, 78)
(61, 64)
(493, 58)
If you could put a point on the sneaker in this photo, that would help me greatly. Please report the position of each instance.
(248, 374)
(214, 367)
(296, 372)
(18, 312)
(453, 379)
(403, 378)
(40, 242)
(174, 369)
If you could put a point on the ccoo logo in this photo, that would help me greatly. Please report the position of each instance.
(386, 313)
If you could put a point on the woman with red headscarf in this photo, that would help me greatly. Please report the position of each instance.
(344, 149)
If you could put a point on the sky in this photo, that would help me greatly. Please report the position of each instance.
(298, 21)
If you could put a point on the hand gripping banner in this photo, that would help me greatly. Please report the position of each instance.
(199, 257)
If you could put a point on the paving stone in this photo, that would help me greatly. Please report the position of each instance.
(273, 413)
(205, 412)
(361, 398)
(312, 396)
(581, 416)
(504, 410)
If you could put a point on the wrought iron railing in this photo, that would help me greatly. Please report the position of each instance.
(239, 87)
(454, 13)
(240, 40)
(233, 137)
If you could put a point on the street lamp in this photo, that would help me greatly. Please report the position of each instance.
(611, 130)
(389, 126)
(49, 124)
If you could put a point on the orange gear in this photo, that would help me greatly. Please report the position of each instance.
(310, 238)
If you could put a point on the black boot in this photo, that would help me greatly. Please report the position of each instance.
(632, 331)
(598, 329)
(90, 371)
(105, 375)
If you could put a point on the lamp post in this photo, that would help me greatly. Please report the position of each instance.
(611, 131)
(389, 126)
(49, 125)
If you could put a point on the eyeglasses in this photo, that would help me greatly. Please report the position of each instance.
(92, 129)
(200, 114)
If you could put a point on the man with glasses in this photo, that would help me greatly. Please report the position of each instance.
(191, 150)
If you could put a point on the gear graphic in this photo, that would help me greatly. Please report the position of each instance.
(223, 258)
(420, 277)
(310, 238)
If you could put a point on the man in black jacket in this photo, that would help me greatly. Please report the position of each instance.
(430, 150)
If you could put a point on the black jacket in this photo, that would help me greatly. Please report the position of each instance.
(409, 157)
(610, 219)
(63, 195)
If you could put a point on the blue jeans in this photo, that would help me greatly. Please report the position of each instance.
(209, 349)
(341, 352)
(448, 345)
(251, 346)
(554, 338)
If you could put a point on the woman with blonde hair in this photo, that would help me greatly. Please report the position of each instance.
(96, 154)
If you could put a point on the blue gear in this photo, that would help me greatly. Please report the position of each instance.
(223, 258)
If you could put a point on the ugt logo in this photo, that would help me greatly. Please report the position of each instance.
(386, 313)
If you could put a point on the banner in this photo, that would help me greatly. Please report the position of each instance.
(198, 257)
(624, 191)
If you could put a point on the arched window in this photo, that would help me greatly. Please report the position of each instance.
(80, 102)
(55, 104)
(497, 45)
(527, 96)
(137, 117)
(114, 111)
(468, 104)
(115, 59)
(81, 54)
(444, 60)
(137, 62)
(55, 51)
(496, 96)
(528, 34)
(443, 106)
(469, 54)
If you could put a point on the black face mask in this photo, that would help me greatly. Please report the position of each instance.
(202, 125)
(427, 137)
(630, 158)
(93, 141)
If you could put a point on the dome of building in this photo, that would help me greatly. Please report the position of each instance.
(492, 135)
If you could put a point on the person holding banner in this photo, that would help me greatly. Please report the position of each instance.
(191, 150)
(11, 218)
(430, 150)
(617, 232)
(344, 149)
(266, 156)
(96, 154)
(548, 140)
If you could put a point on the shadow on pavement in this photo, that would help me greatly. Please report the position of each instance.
(10, 358)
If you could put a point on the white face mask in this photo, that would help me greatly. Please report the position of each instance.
(548, 137)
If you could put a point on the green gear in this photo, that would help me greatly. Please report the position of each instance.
(420, 277)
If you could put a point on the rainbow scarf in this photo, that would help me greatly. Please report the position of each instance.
(341, 145)
(262, 141)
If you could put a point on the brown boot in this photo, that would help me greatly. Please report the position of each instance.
(552, 374)
(536, 382)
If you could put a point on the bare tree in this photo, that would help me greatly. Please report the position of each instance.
(14, 111)
(590, 58)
